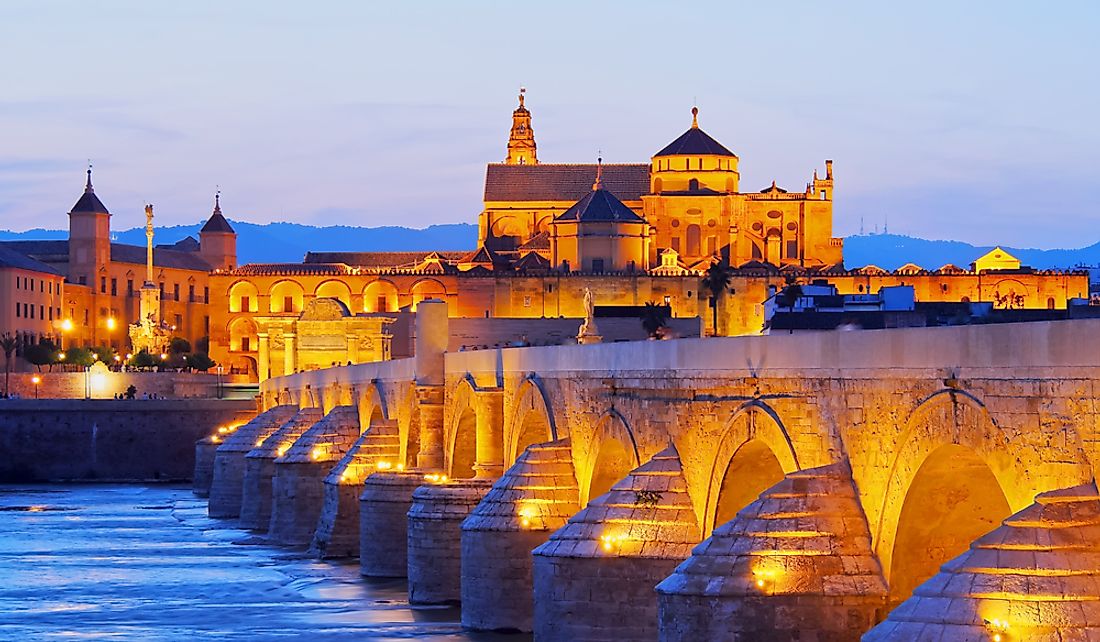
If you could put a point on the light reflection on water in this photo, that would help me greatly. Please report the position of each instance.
(89, 562)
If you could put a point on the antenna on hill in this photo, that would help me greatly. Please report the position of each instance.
(885, 223)
(861, 226)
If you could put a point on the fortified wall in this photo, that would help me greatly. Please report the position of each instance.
(822, 480)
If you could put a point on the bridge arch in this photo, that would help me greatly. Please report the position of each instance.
(612, 454)
(952, 479)
(531, 421)
(371, 403)
(460, 435)
(408, 423)
(752, 455)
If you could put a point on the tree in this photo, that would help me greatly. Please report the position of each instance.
(203, 345)
(102, 353)
(80, 356)
(200, 361)
(143, 360)
(654, 317)
(179, 345)
(9, 343)
(717, 282)
(40, 354)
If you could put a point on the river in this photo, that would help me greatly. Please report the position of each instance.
(133, 562)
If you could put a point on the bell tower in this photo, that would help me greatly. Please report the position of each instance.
(521, 142)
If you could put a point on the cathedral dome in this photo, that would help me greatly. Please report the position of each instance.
(694, 142)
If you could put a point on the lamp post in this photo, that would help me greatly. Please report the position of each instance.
(36, 380)
(219, 382)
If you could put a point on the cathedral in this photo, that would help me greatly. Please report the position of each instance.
(687, 200)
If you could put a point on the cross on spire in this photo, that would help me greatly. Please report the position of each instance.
(599, 171)
(217, 199)
(88, 185)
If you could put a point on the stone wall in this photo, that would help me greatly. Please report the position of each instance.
(63, 439)
(81, 385)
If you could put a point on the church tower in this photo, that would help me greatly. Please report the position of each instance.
(89, 237)
(217, 240)
(521, 142)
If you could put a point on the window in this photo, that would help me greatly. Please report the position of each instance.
(1050, 303)
(42, 310)
(191, 293)
(129, 287)
(244, 344)
(792, 249)
(693, 240)
(179, 323)
(103, 285)
(176, 291)
(668, 300)
(18, 310)
(51, 313)
(206, 295)
(676, 243)
(31, 310)
(549, 287)
(693, 184)
(245, 304)
(162, 289)
(526, 301)
(114, 287)
(382, 304)
(288, 304)
(597, 265)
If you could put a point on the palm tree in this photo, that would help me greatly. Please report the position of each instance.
(717, 282)
(8, 343)
(654, 317)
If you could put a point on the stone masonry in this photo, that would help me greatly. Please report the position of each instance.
(259, 469)
(228, 475)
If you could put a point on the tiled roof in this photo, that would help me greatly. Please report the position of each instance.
(378, 259)
(58, 252)
(565, 182)
(10, 258)
(296, 269)
(540, 241)
(217, 223)
(695, 142)
(599, 205)
(162, 257)
(533, 261)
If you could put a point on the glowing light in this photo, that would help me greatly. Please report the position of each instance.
(67, 325)
(435, 478)
(129, 355)
(163, 356)
(998, 628)
(383, 465)
(36, 380)
(118, 358)
(60, 356)
(215, 440)
(317, 453)
(35, 509)
(259, 442)
(526, 514)
(281, 451)
(111, 323)
(610, 543)
(223, 429)
(400, 467)
(764, 580)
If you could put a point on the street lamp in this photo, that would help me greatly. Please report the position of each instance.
(36, 380)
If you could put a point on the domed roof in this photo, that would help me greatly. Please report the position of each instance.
(695, 142)
(217, 222)
(599, 205)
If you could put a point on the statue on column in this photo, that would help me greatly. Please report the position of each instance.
(149, 333)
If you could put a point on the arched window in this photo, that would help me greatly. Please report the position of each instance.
(693, 184)
(693, 240)
(1050, 303)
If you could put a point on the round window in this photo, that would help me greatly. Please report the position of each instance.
(792, 227)
(712, 223)
(757, 226)
(675, 222)
(774, 214)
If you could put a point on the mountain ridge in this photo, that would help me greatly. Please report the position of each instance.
(287, 242)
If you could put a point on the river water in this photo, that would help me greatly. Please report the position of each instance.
(131, 562)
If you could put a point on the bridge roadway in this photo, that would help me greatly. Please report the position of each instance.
(925, 483)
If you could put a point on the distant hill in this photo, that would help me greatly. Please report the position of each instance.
(890, 251)
(289, 242)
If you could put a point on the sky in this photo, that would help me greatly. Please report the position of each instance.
(971, 121)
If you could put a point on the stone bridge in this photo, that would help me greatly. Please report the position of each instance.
(926, 483)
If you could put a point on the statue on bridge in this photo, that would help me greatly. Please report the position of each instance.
(589, 333)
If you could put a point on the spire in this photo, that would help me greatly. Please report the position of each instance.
(217, 201)
(695, 117)
(521, 141)
(88, 186)
(598, 185)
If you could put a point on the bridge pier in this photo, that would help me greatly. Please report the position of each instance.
(205, 451)
(1036, 577)
(298, 485)
(594, 577)
(337, 533)
(383, 522)
(795, 564)
(435, 538)
(259, 468)
(228, 475)
(532, 499)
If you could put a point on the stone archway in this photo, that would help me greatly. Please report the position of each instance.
(613, 454)
(953, 500)
(461, 432)
(371, 403)
(951, 417)
(531, 421)
(753, 454)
